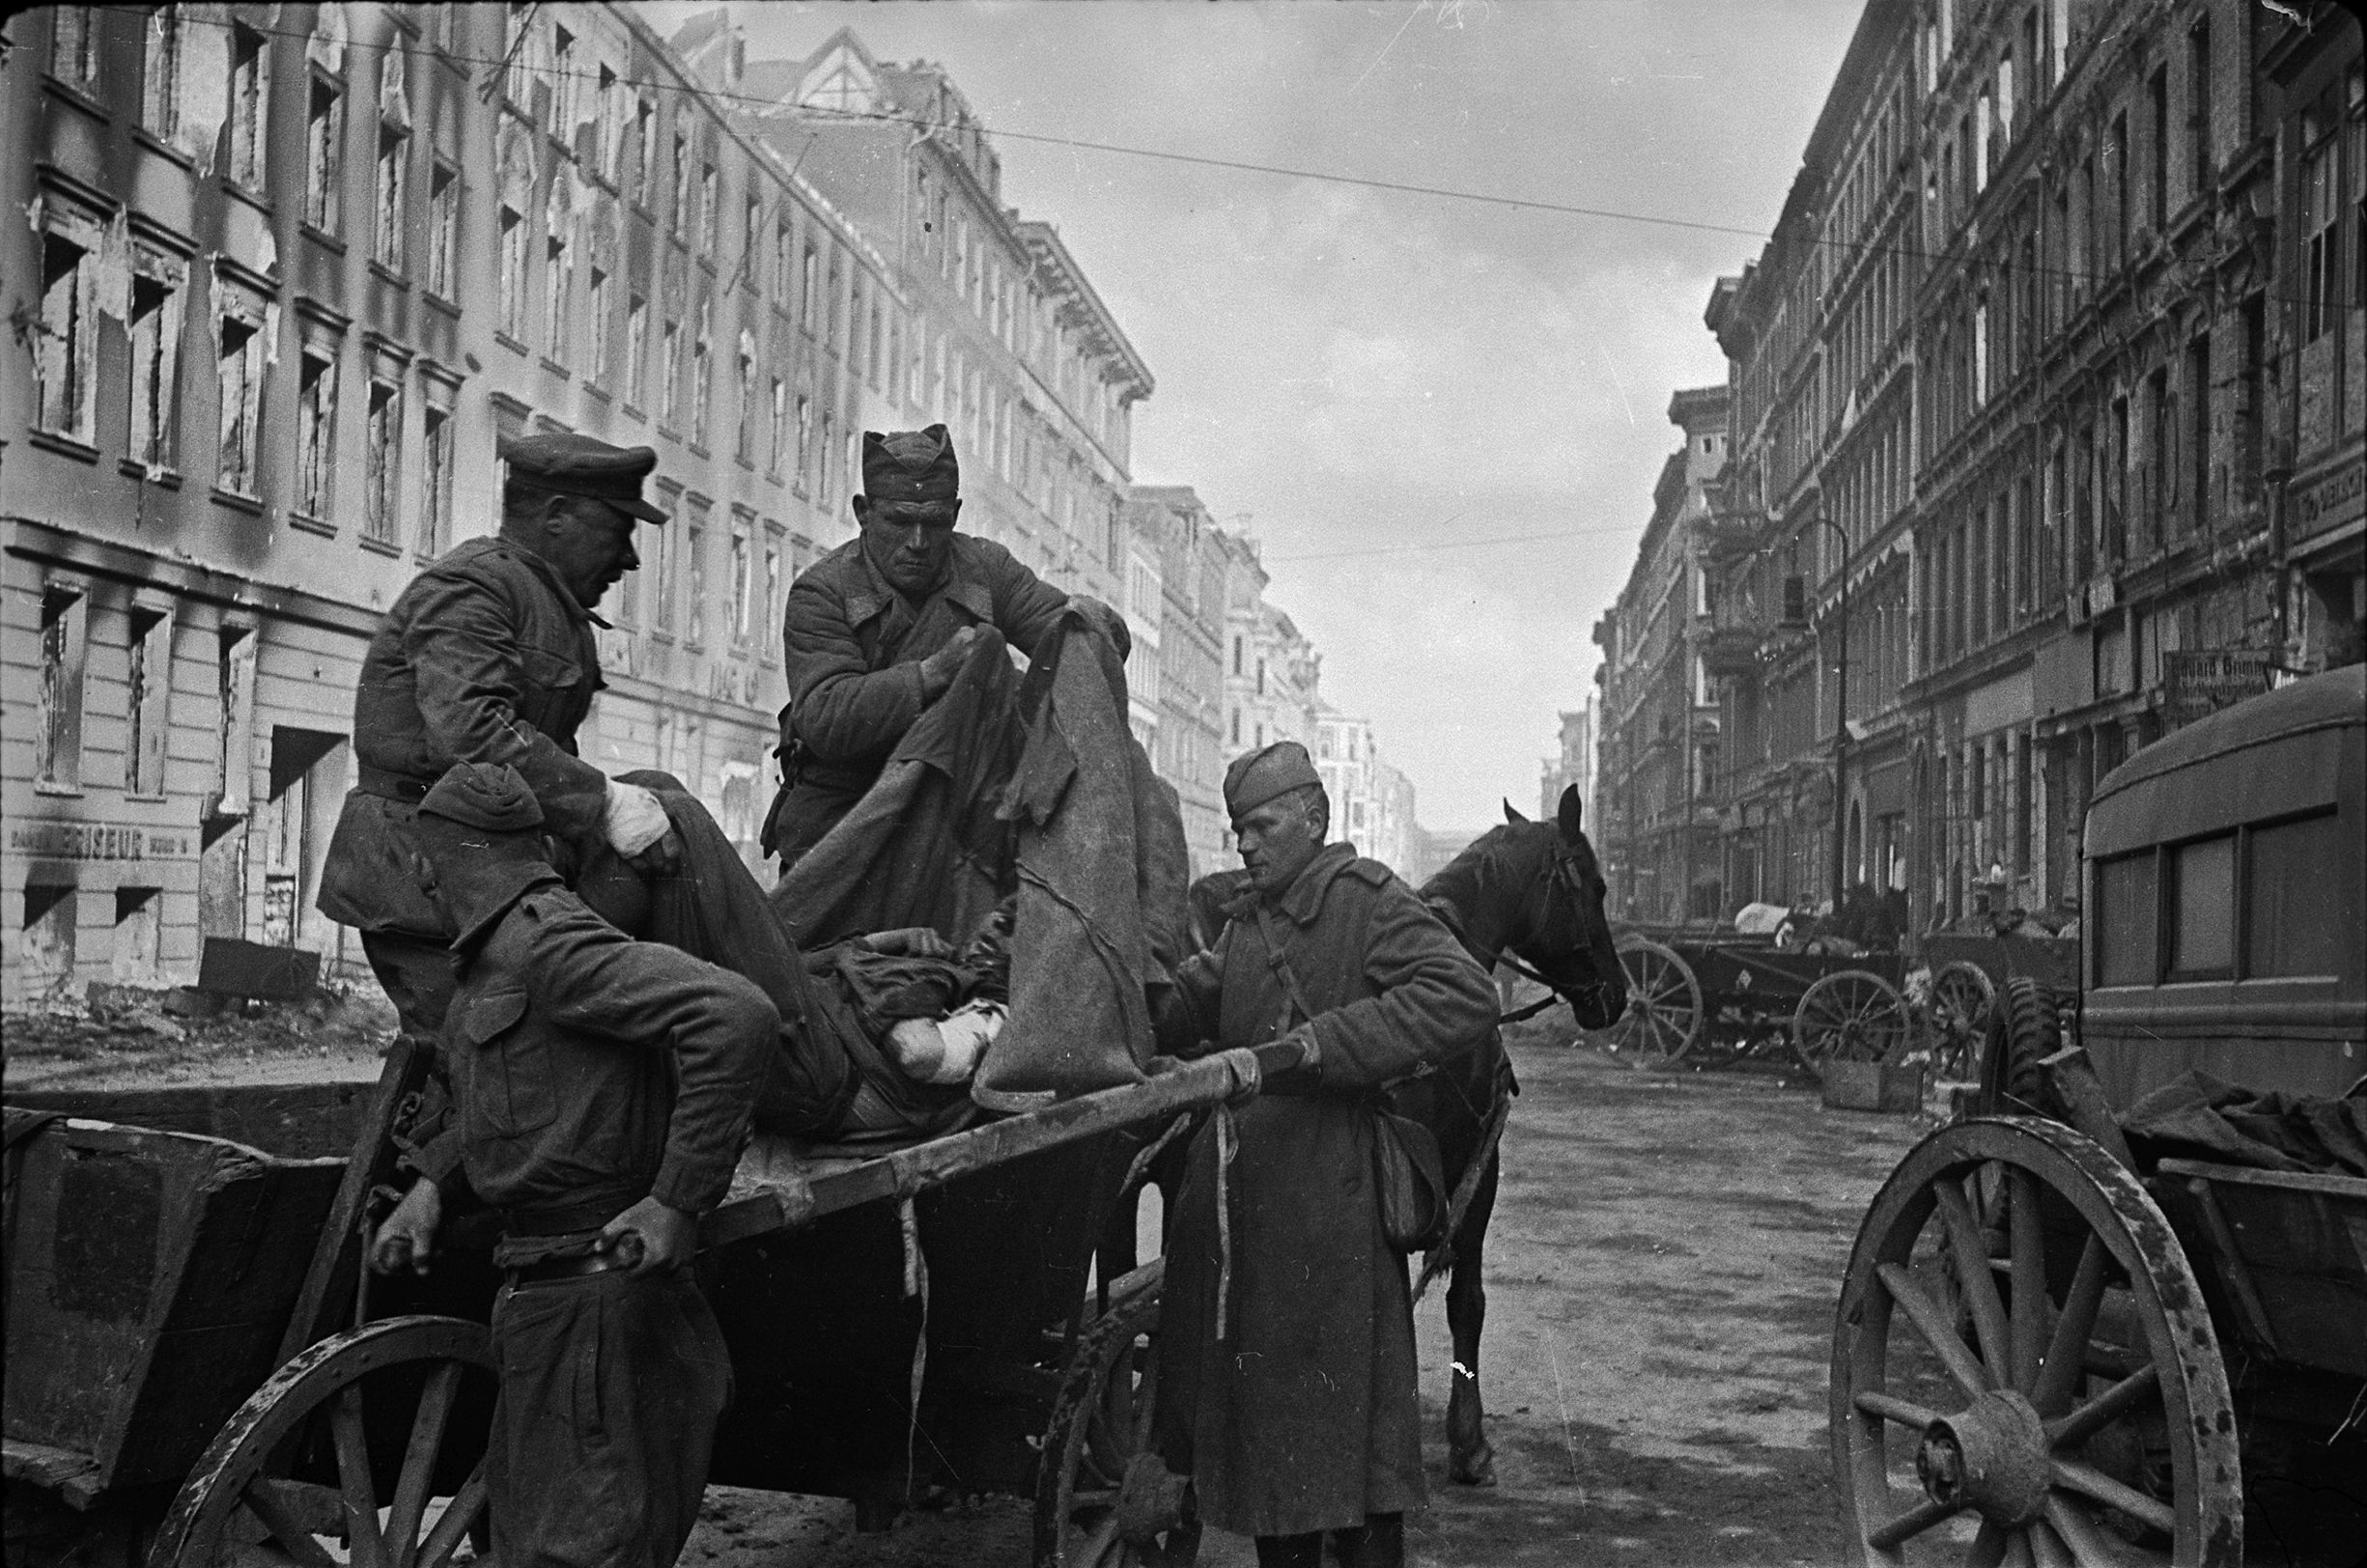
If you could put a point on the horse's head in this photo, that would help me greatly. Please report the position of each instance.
(1561, 932)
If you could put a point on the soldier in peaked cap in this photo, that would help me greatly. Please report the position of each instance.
(877, 630)
(604, 1088)
(1287, 1389)
(489, 656)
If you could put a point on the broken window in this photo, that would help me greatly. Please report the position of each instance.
(512, 271)
(702, 378)
(65, 364)
(435, 478)
(160, 72)
(384, 463)
(74, 52)
(156, 295)
(316, 431)
(393, 158)
(241, 342)
(147, 697)
(324, 155)
(559, 273)
(596, 311)
(250, 105)
(57, 761)
(669, 372)
(443, 227)
(636, 350)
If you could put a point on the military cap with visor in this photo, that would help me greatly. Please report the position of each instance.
(571, 464)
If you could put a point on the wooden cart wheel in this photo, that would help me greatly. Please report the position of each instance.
(2034, 1438)
(352, 1453)
(1961, 997)
(1664, 1013)
(1850, 1015)
(1102, 1498)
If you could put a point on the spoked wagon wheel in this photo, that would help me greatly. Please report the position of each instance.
(1664, 1013)
(367, 1449)
(1961, 997)
(2083, 1419)
(1102, 1498)
(1850, 1015)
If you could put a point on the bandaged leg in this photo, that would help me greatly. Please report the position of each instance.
(946, 1050)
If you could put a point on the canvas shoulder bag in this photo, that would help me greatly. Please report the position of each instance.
(1408, 1177)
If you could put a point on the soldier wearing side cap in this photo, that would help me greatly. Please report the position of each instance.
(1288, 1370)
(488, 656)
(604, 1088)
(877, 630)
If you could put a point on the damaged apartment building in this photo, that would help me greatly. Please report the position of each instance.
(2047, 426)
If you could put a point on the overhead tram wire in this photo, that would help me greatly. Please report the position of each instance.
(1457, 543)
(1446, 192)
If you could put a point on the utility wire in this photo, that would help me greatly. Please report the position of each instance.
(1444, 192)
(1457, 543)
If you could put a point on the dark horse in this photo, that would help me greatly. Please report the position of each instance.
(1532, 889)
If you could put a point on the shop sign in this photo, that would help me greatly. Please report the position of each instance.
(2334, 499)
(2202, 680)
(96, 841)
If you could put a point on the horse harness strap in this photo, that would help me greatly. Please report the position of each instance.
(1440, 1258)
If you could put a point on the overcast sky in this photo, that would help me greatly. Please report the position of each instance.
(1362, 371)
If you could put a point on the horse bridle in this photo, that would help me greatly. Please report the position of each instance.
(1560, 873)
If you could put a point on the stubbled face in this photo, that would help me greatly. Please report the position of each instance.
(589, 544)
(908, 541)
(1278, 839)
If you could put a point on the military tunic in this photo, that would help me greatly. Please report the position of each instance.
(486, 656)
(1303, 1416)
(593, 1070)
(853, 646)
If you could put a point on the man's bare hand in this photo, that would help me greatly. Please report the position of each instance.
(408, 1237)
(938, 670)
(910, 941)
(650, 1238)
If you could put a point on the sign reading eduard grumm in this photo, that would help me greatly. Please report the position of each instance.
(2203, 680)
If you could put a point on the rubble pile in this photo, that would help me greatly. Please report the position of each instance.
(121, 1024)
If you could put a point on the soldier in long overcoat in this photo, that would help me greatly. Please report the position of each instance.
(489, 656)
(1300, 1417)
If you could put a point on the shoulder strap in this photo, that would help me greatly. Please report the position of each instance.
(1294, 1000)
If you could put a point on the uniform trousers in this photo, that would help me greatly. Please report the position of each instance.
(610, 1389)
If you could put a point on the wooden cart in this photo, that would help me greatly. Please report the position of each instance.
(1967, 972)
(1711, 995)
(2051, 1348)
(200, 1369)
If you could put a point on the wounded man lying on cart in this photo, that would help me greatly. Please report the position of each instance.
(877, 1032)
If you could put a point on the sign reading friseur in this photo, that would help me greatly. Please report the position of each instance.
(100, 841)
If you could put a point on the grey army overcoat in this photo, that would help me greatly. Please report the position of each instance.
(1303, 1416)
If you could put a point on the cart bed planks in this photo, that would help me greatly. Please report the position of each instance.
(147, 1289)
(778, 1188)
(2290, 1249)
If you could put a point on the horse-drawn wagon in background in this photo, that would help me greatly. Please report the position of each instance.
(2120, 1314)
(1708, 995)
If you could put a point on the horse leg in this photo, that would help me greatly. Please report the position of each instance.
(1470, 1459)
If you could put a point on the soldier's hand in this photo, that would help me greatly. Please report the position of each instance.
(408, 1237)
(938, 670)
(650, 1238)
(632, 818)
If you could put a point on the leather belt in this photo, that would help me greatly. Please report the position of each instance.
(388, 786)
(550, 1269)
